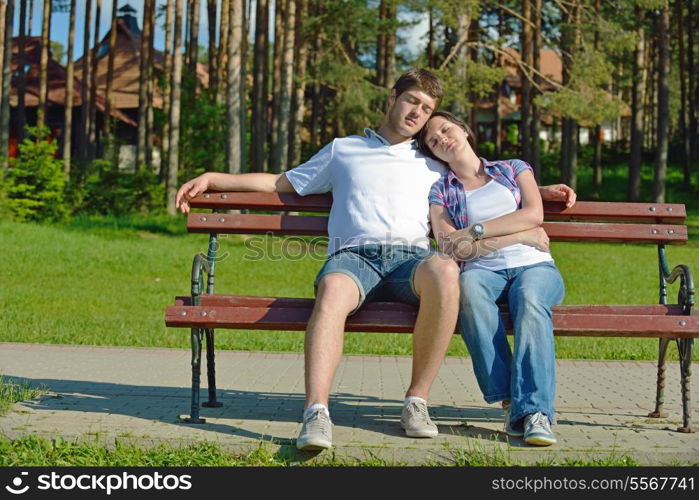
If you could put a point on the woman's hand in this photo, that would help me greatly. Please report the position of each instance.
(457, 243)
(536, 238)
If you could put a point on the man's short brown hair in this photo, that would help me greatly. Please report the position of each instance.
(423, 80)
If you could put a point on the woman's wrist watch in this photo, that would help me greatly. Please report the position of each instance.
(476, 231)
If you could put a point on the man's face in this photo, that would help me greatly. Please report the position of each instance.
(408, 112)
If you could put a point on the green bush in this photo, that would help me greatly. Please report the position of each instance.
(107, 191)
(486, 149)
(34, 184)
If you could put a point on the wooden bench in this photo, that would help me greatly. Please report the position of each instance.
(657, 224)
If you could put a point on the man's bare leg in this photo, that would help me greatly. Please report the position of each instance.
(336, 297)
(437, 283)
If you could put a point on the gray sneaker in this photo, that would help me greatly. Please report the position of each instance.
(509, 429)
(537, 430)
(316, 432)
(416, 421)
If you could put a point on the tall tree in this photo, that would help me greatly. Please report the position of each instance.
(570, 41)
(21, 76)
(7, 23)
(92, 130)
(693, 97)
(259, 89)
(279, 15)
(150, 88)
(234, 102)
(109, 97)
(596, 138)
(211, 19)
(85, 89)
(193, 49)
(536, 114)
(528, 60)
(297, 104)
(70, 91)
(684, 128)
(173, 154)
(144, 75)
(637, 109)
(221, 64)
(281, 149)
(44, 64)
(167, 90)
(663, 40)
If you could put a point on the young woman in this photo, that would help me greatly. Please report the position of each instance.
(487, 215)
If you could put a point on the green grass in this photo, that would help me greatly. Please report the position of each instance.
(35, 451)
(13, 392)
(106, 281)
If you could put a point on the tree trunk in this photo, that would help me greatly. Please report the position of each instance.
(70, 90)
(281, 150)
(527, 58)
(569, 129)
(692, 86)
(21, 77)
(464, 21)
(85, 90)
(663, 35)
(259, 90)
(44, 65)
(92, 132)
(389, 66)
(637, 112)
(167, 91)
(107, 125)
(298, 107)
(173, 156)
(234, 100)
(597, 140)
(7, 22)
(536, 115)
(213, 73)
(150, 84)
(431, 46)
(279, 16)
(143, 76)
(30, 19)
(221, 64)
(193, 55)
(684, 129)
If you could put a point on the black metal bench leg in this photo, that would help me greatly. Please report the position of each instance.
(211, 370)
(660, 394)
(196, 378)
(686, 348)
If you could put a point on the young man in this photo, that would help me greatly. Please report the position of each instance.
(378, 247)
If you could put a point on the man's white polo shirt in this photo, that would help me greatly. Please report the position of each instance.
(380, 191)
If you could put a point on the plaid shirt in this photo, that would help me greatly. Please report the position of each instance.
(449, 191)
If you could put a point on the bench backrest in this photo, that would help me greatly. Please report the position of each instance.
(659, 223)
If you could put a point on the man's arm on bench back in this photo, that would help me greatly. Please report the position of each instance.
(216, 181)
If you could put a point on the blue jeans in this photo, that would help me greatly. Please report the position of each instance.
(528, 377)
(380, 271)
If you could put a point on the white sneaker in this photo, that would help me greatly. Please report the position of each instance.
(316, 432)
(416, 420)
(537, 430)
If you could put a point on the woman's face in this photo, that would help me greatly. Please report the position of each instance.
(445, 138)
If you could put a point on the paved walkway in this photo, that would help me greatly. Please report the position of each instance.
(135, 395)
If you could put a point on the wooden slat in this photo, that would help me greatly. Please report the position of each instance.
(378, 320)
(582, 210)
(317, 226)
(290, 303)
(612, 232)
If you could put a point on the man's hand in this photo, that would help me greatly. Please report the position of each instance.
(536, 238)
(189, 190)
(558, 192)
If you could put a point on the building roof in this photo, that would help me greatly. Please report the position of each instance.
(57, 76)
(127, 67)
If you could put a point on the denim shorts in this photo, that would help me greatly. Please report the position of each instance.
(381, 272)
